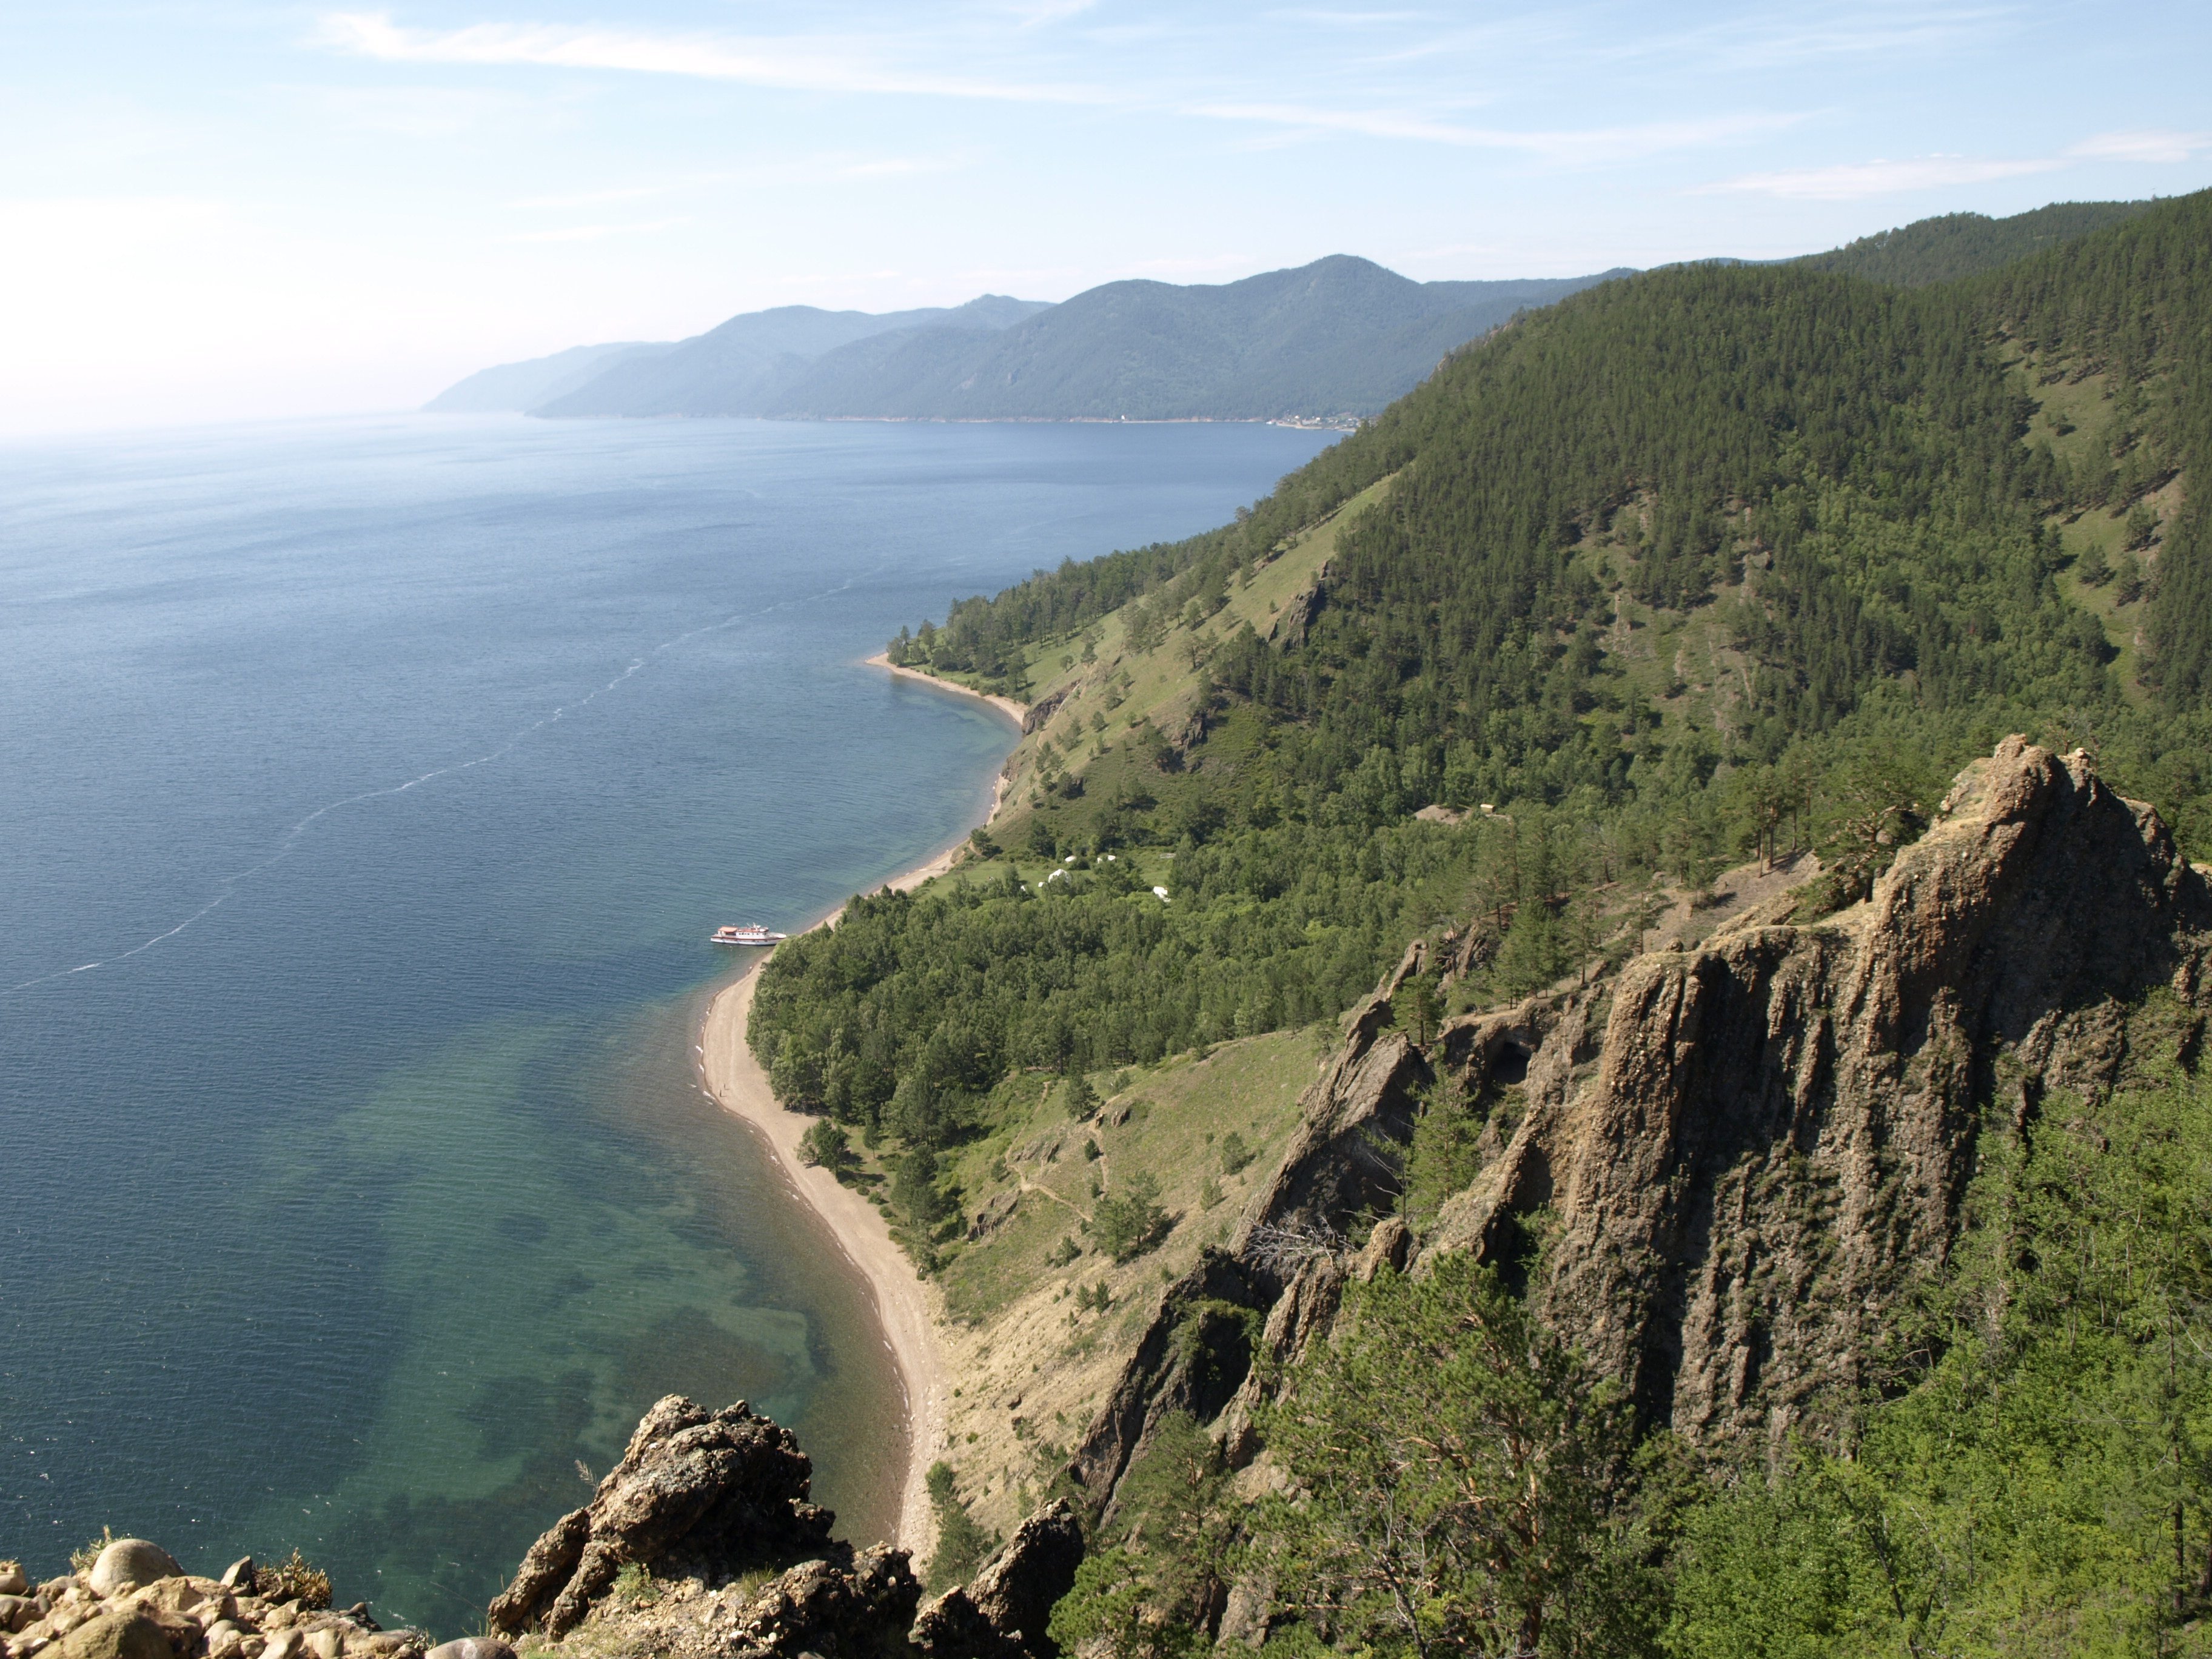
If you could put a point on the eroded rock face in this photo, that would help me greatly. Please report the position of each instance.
(703, 1501)
(1196, 1353)
(838, 1611)
(1003, 1613)
(1751, 1149)
(711, 1491)
(1783, 1122)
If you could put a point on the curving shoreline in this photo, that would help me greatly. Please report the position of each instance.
(1016, 712)
(906, 1309)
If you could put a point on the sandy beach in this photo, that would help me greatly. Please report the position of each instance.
(907, 1308)
(1017, 712)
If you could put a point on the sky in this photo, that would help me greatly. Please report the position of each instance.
(220, 210)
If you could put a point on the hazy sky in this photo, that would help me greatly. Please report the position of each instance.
(233, 209)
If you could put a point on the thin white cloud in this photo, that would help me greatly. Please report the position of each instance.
(595, 233)
(1362, 20)
(837, 64)
(813, 170)
(591, 198)
(1569, 145)
(1862, 32)
(1034, 14)
(2140, 147)
(1854, 181)
(1786, 37)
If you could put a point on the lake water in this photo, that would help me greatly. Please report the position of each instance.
(367, 790)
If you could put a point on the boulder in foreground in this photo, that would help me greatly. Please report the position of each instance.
(668, 1556)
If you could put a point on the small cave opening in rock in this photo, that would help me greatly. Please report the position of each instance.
(1510, 1063)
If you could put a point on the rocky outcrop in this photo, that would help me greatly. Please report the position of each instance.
(1192, 1358)
(1783, 1121)
(134, 1602)
(1746, 1153)
(1003, 1613)
(1197, 1350)
(710, 1492)
(862, 1606)
(701, 1504)
(1040, 713)
(1298, 617)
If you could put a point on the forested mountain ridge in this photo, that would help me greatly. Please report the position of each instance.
(1958, 245)
(740, 366)
(1342, 336)
(1339, 336)
(1708, 563)
(1683, 441)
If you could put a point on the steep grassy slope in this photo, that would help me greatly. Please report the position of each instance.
(1045, 1315)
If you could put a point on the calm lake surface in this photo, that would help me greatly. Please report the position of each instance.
(367, 790)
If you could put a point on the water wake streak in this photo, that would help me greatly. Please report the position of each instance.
(229, 886)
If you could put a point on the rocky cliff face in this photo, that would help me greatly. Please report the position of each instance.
(1742, 1154)
(1783, 1123)
(1002, 1612)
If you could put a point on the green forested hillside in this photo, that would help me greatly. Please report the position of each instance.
(1689, 561)
(1702, 563)
(1956, 245)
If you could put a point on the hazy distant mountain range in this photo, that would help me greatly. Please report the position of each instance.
(1342, 336)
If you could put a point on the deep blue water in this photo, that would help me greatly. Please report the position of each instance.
(366, 791)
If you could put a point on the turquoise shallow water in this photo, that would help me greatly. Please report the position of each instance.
(367, 789)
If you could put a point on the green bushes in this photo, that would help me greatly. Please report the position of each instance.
(962, 1545)
(1467, 1485)
(1129, 1221)
(826, 1145)
(2046, 1486)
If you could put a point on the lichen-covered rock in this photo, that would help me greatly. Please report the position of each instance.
(711, 1491)
(128, 1564)
(116, 1636)
(853, 1610)
(1002, 1612)
(190, 1616)
(840, 1605)
(472, 1647)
